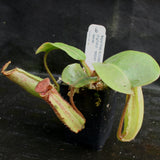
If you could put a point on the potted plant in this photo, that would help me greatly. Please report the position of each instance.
(94, 91)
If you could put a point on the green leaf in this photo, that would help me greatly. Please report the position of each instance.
(73, 52)
(140, 68)
(132, 116)
(113, 77)
(127, 70)
(75, 76)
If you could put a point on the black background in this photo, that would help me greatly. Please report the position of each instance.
(26, 24)
(28, 128)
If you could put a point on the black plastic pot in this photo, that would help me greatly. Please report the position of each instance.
(98, 107)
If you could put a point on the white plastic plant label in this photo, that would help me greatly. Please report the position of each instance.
(95, 43)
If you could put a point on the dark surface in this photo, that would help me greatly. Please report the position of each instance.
(25, 25)
(29, 130)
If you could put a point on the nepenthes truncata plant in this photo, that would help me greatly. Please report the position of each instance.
(125, 72)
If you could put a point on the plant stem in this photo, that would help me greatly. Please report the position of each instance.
(49, 72)
(72, 102)
(87, 69)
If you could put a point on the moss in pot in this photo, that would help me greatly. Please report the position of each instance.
(125, 72)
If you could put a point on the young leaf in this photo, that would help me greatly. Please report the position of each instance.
(75, 76)
(114, 77)
(73, 52)
(132, 116)
(140, 68)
